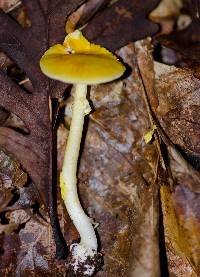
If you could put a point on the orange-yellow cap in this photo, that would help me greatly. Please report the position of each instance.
(79, 61)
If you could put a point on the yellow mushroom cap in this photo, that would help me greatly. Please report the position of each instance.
(79, 61)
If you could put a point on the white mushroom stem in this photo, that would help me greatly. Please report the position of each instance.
(82, 222)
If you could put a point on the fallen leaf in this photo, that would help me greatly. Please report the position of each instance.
(30, 251)
(84, 14)
(11, 172)
(178, 93)
(26, 242)
(182, 225)
(122, 22)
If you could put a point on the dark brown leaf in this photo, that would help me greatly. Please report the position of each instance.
(122, 22)
(185, 41)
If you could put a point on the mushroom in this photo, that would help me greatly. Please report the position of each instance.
(81, 63)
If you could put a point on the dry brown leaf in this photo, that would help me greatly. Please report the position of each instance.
(12, 176)
(26, 242)
(182, 226)
(30, 251)
(178, 93)
(179, 105)
(181, 218)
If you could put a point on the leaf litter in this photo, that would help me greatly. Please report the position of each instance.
(119, 175)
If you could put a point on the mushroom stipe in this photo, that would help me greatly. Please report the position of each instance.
(81, 63)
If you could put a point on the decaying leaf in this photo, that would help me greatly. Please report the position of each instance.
(26, 242)
(12, 178)
(31, 251)
(178, 91)
(182, 225)
(178, 94)
(122, 22)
